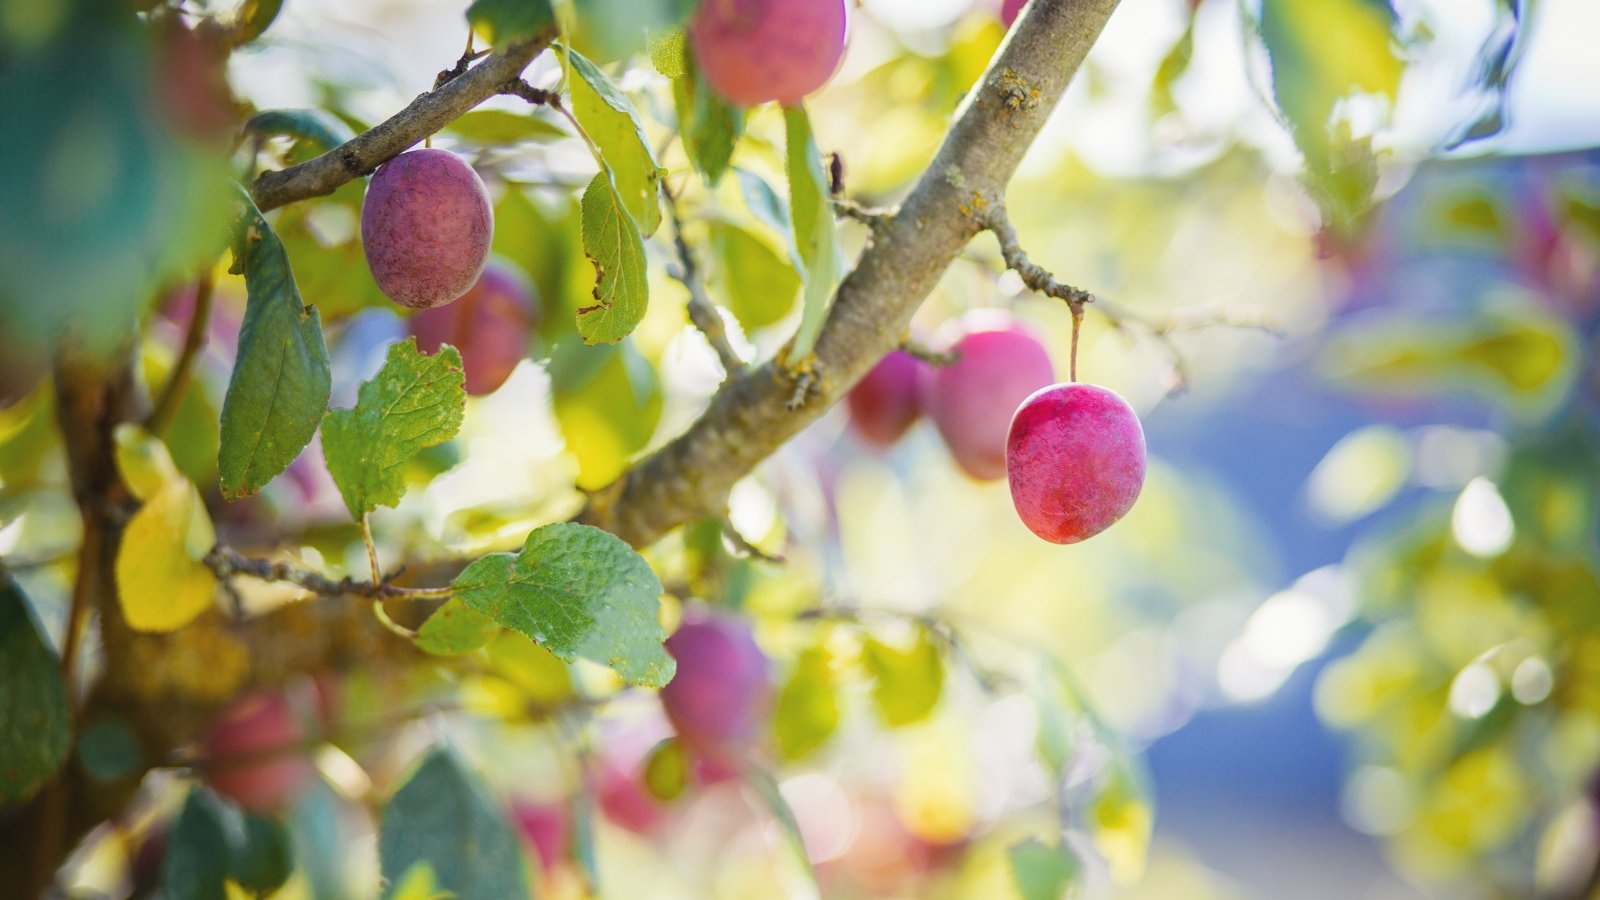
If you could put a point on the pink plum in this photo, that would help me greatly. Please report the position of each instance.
(426, 226)
(753, 51)
(718, 700)
(489, 324)
(883, 405)
(1000, 362)
(1076, 460)
(255, 753)
(544, 825)
(624, 798)
(1010, 9)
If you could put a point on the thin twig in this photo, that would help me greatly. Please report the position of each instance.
(936, 358)
(702, 311)
(226, 562)
(747, 549)
(182, 373)
(82, 595)
(872, 217)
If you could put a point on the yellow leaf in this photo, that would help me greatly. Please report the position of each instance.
(143, 461)
(160, 577)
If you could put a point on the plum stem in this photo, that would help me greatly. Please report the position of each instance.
(703, 311)
(182, 374)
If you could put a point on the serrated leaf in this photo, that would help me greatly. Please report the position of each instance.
(454, 629)
(162, 582)
(416, 401)
(502, 22)
(1042, 872)
(142, 460)
(669, 51)
(281, 381)
(710, 126)
(906, 682)
(576, 591)
(758, 285)
(200, 847)
(613, 124)
(318, 128)
(35, 723)
(497, 127)
(444, 816)
(815, 236)
(612, 242)
(807, 713)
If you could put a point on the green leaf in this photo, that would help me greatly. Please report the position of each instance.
(497, 127)
(576, 591)
(419, 883)
(254, 17)
(1042, 872)
(445, 817)
(200, 848)
(765, 204)
(503, 21)
(710, 126)
(318, 834)
(815, 235)
(669, 52)
(455, 630)
(612, 242)
(318, 128)
(609, 118)
(666, 769)
(35, 724)
(162, 581)
(807, 713)
(264, 859)
(907, 682)
(757, 284)
(281, 382)
(415, 402)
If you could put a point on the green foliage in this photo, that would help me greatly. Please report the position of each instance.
(104, 203)
(709, 126)
(577, 591)
(416, 401)
(316, 128)
(666, 770)
(1042, 872)
(906, 682)
(444, 817)
(758, 285)
(35, 723)
(498, 128)
(612, 242)
(612, 123)
(454, 630)
(815, 235)
(503, 22)
(807, 713)
(613, 29)
(212, 844)
(281, 381)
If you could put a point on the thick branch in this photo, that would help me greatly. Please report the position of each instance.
(749, 419)
(422, 117)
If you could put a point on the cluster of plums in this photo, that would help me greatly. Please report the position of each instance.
(1074, 453)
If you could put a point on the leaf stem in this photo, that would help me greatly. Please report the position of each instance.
(178, 380)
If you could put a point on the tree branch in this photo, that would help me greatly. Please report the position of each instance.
(702, 311)
(425, 115)
(750, 418)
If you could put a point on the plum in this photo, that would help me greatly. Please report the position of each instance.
(718, 700)
(1000, 362)
(884, 404)
(426, 226)
(545, 826)
(1075, 458)
(255, 755)
(489, 324)
(1010, 9)
(753, 51)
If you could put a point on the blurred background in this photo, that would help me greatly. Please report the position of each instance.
(1347, 645)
